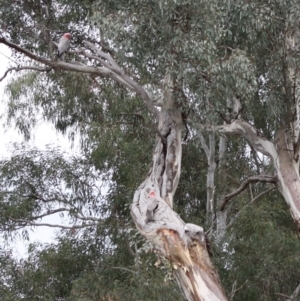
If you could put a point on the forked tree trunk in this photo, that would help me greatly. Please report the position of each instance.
(183, 245)
(284, 154)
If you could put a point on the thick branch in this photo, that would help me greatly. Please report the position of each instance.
(249, 132)
(114, 67)
(111, 70)
(244, 185)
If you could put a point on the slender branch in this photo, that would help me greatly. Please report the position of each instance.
(243, 186)
(26, 52)
(116, 69)
(105, 45)
(9, 58)
(203, 144)
(130, 251)
(84, 218)
(28, 223)
(24, 68)
(253, 200)
(47, 33)
(97, 58)
(112, 71)
(283, 295)
(114, 65)
(117, 268)
(49, 213)
(293, 296)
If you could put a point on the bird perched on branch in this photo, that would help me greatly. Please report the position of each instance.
(63, 45)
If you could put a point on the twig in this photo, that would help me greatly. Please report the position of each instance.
(244, 185)
(49, 213)
(117, 268)
(27, 223)
(239, 213)
(25, 68)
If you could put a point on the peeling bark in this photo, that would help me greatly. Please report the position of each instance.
(183, 245)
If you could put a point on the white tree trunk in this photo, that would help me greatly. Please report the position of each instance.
(284, 154)
(210, 176)
(287, 168)
(183, 245)
(221, 216)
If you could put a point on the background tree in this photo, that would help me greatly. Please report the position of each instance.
(144, 74)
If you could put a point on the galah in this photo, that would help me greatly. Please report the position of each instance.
(63, 45)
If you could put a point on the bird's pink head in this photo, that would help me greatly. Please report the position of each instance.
(68, 36)
(152, 194)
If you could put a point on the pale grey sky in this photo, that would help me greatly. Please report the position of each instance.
(44, 134)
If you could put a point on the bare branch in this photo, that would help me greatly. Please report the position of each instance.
(117, 268)
(253, 200)
(49, 213)
(283, 295)
(28, 223)
(112, 71)
(293, 296)
(114, 66)
(24, 68)
(116, 69)
(9, 58)
(84, 218)
(243, 186)
(47, 33)
(26, 52)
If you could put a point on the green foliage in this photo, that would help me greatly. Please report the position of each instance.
(77, 268)
(215, 50)
(260, 252)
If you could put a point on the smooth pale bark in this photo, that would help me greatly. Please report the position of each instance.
(221, 216)
(284, 155)
(287, 168)
(210, 175)
(183, 245)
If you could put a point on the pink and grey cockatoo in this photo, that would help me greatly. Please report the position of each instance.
(63, 45)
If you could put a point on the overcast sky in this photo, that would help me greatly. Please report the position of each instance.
(44, 134)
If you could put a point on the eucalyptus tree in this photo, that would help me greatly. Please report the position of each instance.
(175, 69)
